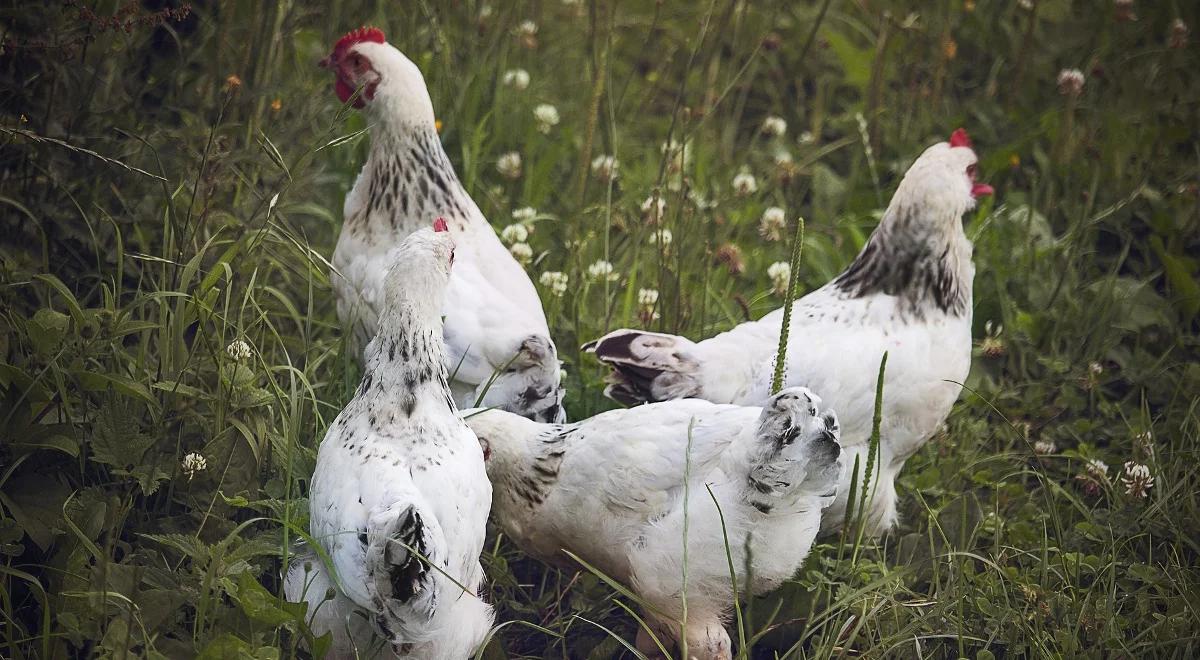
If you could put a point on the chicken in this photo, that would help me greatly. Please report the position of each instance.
(612, 490)
(908, 293)
(499, 350)
(399, 500)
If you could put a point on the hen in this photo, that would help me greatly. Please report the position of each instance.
(498, 344)
(612, 490)
(399, 500)
(908, 293)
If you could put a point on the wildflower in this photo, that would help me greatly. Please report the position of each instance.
(547, 117)
(730, 256)
(678, 155)
(524, 214)
(555, 281)
(654, 208)
(521, 252)
(1027, 5)
(968, 6)
(516, 233)
(509, 165)
(1137, 480)
(745, 184)
(783, 158)
(1014, 161)
(773, 224)
(1144, 442)
(780, 273)
(233, 83)
(276, 105)
(602, 270)
(1095, 368)
(518, 79)
(1070, 82)
(1044, 448)
(605, 167)
(527, 28)
(1123, 11)
(437, 125)
(193, 463)
(807, 137)
(660, 237)
(774, 126)
(992, 345)
(1094, 477)
(527, 34)
(700, 201)
(647, 300)
(486, 12)
(239, 350)
(1177, 37)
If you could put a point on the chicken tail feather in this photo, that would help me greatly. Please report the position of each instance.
(648, 366)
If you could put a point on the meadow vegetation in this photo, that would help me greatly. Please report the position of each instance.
(171, 181)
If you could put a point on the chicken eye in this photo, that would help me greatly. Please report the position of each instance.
(972, 169)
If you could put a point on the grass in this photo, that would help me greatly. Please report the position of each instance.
(171, 185)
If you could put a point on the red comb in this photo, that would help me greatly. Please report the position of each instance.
(364, 33)
(959, 138)
(440, 225)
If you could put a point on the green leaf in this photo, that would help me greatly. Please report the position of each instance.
(228, 647)
(101, 382)
(259, 604)
(46, 330)
(117, 438)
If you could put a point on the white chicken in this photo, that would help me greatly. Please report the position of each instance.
(499, 350)
(399, 500)
(612, 490)
(908, 293)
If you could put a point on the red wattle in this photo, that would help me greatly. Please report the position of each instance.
(981, 190)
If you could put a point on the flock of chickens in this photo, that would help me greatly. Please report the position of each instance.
(714, 463)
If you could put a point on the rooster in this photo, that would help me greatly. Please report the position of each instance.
(499, 350)
(612, 490)
(907, 294)
(399, 500)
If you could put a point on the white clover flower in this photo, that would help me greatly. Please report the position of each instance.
(780, 273)
(1027, 5)
(654, 208)
(1177, 37)
(555, 281)
(527, 28)
(1097, 469)
(518, 79)
(783, 158)
(774, 126)
(602, 270)
(193, 463)
(700, 201)
(524, 214)
(509, 165)
(1137, 480)
(806, 137)
(521, 252)
(679, 155)
(660, 237)
(745, 184)
(1070, 82)
(239, 350)
(547, 117)
(514, 234)
(605, 167)
(486, 11)
(773, 224)
(647, 297)
(1044, 448)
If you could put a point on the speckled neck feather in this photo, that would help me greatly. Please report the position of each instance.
(926, 269)
(405, 366)
(410, 180)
